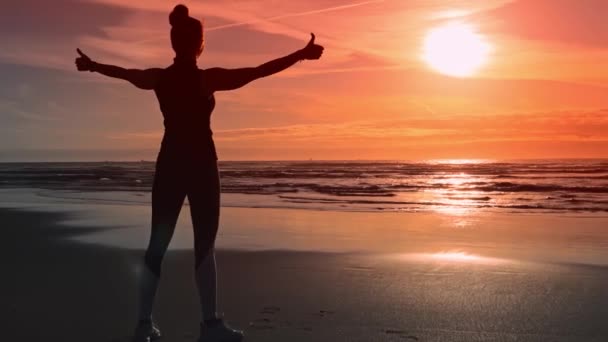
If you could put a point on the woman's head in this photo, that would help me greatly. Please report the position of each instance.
(186, 33)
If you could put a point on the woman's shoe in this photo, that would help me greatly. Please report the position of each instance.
(218, 331)
(146, 331)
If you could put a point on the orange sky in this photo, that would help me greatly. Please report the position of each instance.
(542, 93)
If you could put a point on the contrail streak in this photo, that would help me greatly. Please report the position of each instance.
(291, 15)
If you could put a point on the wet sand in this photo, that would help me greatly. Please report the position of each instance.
(55, 289)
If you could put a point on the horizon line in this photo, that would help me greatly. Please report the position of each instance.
(472, 160)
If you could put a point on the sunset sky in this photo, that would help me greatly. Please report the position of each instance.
(542, 91)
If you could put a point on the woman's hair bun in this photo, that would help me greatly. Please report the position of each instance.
(179, 15)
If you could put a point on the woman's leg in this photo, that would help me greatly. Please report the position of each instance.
(167, 199)
(204, 198)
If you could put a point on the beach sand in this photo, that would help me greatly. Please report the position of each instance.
(56, 289)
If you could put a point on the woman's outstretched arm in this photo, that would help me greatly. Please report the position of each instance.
(143, 79)
(229, 79)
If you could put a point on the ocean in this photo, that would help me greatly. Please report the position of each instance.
(452, 186)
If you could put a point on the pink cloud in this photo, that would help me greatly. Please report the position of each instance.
(573, 22)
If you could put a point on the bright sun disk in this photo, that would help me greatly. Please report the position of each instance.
(455, 49)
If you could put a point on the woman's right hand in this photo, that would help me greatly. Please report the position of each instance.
(84, 63)
(312, 50)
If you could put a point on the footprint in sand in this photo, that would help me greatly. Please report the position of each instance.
(321, 313)
(401, 333)
(284, 324)
(268, 315)
(266, 321)
(262, 324)
(324, 313)
(270, 310)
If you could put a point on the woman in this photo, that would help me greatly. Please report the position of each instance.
(187, 161)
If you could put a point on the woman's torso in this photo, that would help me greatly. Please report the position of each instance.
(186, 105)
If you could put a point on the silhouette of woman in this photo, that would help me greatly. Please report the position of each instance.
(187, 161)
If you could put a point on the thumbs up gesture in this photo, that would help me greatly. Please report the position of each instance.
(84, 63)
(312, 50)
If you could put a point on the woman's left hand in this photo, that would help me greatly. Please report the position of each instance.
(312, 50)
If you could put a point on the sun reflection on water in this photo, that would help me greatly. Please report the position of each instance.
(454, 256)
(454, 210)
(459, 161)
(454, 198)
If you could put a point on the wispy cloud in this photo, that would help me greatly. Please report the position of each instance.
(538, 126)
(11, 111)
(571, 22)
(298, 14)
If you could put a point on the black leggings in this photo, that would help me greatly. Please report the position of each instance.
(173, 181)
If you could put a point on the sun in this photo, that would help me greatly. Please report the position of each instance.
(455, 49)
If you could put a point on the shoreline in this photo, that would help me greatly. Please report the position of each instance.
(545, 186)
(528, 237)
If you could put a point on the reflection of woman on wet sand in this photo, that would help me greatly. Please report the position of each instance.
(187, 161)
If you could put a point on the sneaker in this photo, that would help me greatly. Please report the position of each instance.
(218, 331)
(146, 331)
